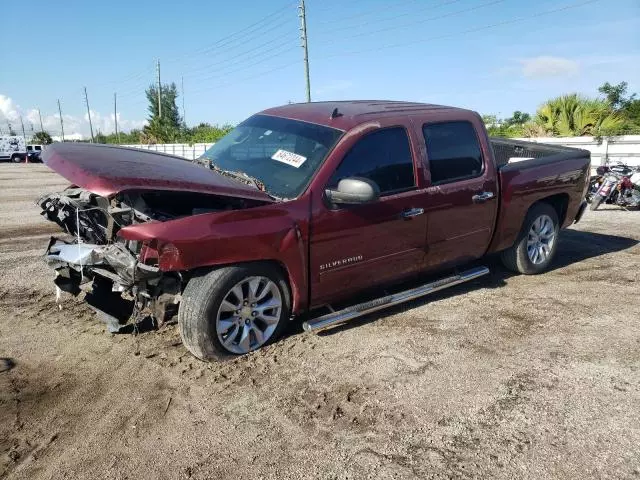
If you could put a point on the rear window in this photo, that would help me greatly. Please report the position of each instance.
(453, 152)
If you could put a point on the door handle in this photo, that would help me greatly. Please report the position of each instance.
(413, 212)
(482, 197)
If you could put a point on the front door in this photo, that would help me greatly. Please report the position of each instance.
(354, 247)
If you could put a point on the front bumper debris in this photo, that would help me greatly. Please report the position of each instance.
(117, 286)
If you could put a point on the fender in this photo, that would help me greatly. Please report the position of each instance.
(275, 232)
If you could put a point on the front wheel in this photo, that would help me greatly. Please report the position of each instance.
(234, 310)
(16, 159)
(537, 243)
(596, 201)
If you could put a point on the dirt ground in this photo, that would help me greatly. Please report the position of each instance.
(506, 377)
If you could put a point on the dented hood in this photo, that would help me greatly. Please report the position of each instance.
(107, 170)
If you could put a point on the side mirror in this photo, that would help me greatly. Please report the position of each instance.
(353, 190)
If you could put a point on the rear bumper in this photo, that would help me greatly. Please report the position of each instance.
(581, 209)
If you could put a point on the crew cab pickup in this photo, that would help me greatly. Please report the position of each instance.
(302, 207)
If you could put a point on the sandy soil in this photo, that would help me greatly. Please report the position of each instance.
(507, 377)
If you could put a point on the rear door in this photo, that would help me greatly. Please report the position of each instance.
(354, 247)
(462, 196)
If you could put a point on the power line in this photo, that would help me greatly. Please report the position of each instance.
(385, 19)
(226, 39)
(259, 51)
(471, 30)
(241, 80)
(224, 73)
(421, 21)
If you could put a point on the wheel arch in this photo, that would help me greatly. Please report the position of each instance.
(559, 202)
(202, 271)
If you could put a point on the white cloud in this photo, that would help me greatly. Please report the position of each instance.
(75, 127)
(548, 66)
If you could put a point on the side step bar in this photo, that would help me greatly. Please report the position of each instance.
(361, 309)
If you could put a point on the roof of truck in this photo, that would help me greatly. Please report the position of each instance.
(351, 112)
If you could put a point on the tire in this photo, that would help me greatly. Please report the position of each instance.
(519, 257)
(203, 319)
(596, 201)
(16, 159)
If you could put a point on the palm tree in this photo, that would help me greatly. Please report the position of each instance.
(573, 116)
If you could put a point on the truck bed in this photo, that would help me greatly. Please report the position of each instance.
(508, 152)
(529, 172)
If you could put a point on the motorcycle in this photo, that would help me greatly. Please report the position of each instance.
(617, 184)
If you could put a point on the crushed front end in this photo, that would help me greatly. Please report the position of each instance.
(118, 277)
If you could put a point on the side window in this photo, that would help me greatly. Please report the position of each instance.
(453, 151)
(384, 157)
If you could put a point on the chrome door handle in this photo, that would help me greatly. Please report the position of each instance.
(413, 212)
(482, 197)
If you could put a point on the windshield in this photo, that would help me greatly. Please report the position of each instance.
(281, 153)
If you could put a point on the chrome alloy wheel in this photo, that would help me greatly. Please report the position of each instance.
(248, 314)
(542, 236)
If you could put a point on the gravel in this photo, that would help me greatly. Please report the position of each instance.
(508, 376)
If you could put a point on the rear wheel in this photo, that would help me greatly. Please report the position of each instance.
(596, 201)
(16, 159)
(234, 310)
(536, 245)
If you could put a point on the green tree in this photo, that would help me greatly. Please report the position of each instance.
(616, 95)
(42, 138)
(627, 106)
(518, 118)
(166, 128)
(573, 115)
(205, 133)
(510, 127)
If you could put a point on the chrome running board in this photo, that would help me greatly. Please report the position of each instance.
(361, 309)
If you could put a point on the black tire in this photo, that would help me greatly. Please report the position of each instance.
(516, 258)
(16, 159)
(596, 201)
(201, 301)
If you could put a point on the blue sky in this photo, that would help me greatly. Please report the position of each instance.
(469, 53)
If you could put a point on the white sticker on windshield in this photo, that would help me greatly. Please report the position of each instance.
(289, 158)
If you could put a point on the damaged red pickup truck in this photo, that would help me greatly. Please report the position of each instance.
(302, 207)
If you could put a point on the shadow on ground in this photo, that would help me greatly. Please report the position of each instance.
(574, 246)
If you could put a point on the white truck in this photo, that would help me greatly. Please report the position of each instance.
(13, 147)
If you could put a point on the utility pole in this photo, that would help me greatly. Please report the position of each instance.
(40, 115)
(303, 36)
(24, 135)
(115, 114)
(86, 100)
(184, 115)
(159, 90)
(61, 122)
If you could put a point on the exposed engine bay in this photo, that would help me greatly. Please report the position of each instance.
(117, 281)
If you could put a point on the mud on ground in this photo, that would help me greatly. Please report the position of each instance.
(506, 377)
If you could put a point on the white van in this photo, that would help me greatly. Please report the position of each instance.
(12, 147)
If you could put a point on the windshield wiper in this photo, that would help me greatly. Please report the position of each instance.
(244, 178)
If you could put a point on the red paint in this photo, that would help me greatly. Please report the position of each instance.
(364, 245)
(107, 170)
